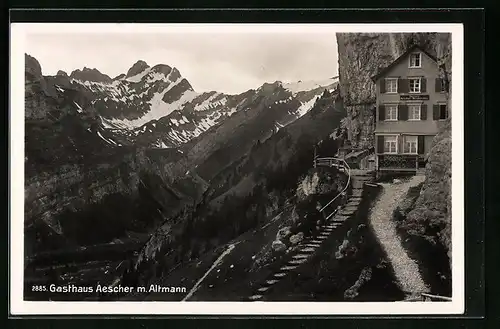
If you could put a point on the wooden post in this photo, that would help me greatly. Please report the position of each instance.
(315, 156)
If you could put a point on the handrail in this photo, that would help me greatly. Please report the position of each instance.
(426, 295)
(345, 166)
(436, 296)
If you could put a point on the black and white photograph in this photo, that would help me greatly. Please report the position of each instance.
(251, 164)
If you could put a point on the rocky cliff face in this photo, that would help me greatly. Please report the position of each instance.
(88, 74)
(362, 55)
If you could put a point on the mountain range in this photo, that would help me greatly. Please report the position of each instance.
(90, 137)
(157, 107)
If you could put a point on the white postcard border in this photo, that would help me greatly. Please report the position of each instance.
(20, 307)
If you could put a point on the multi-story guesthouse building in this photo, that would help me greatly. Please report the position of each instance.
(411, 105)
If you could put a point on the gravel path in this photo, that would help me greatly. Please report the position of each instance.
(406, 270)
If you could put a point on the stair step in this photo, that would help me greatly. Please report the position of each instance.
(297, 261)
(347, 213)
(322, 237)
(255, 297)
(313, 245)
(271, 281)
(299, 256)
(288, 267)
(308, 249)
(263, 289)
(280, 274)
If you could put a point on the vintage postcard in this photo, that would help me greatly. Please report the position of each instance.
(285, 169)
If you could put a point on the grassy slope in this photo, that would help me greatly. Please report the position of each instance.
(275, 164)
(327, 278)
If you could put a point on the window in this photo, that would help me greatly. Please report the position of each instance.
(414, 84)
(390, 144)
(411, 144)
(443, 111)
(442, 85)
(391, 85)
(414, 112)
(415, 60)
(391, 112)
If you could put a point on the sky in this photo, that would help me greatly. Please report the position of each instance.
(224, 62)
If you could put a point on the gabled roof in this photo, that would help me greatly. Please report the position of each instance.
(400, 58)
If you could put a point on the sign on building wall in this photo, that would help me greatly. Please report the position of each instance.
(414, 97)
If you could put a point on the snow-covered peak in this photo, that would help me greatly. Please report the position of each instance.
(90, 75)
(136, 69)
(138, 77)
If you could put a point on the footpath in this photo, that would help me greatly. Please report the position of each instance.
(405, 269)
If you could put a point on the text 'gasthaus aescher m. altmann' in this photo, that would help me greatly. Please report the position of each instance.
(116, 289)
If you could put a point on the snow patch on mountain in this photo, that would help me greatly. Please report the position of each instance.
(277, 126)
(79, 108)
(138, 77)
(158, 109)
(155, 76)
(109, 141)
(307, 106)
(296, 87)
(206, 104)
(161, 144)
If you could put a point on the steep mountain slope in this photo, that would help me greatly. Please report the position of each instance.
(245, 192)
(81, 185)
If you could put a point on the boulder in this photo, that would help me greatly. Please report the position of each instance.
(294, 239)
(283, 233)
(278, 246)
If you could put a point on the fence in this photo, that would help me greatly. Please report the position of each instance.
(343, 167)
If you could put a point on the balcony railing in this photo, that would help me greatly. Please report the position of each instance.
(398, 161)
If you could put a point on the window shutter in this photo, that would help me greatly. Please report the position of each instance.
(420, 144)
(435, 112)
(381, 112)
(403, 86)
(423, 112)
(439, 85)
(403, 112)
(423, 87)
(382, 86)
(380, 144)
(400, 142)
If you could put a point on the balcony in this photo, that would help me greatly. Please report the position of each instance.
(400, 162)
